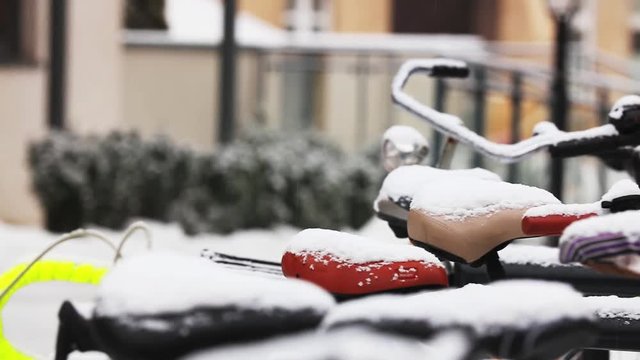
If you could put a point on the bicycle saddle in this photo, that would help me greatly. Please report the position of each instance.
(519, 319)
(400, 185)
(467, 220)
(162, 306)
(348, 265)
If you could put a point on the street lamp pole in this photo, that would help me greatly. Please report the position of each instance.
(562, 12)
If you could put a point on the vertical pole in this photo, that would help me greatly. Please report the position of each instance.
(439, 102)
(227, 74)
(261, 73)
(57, 63)
(479, 98)
(362, 71)
(516, 119)
(559, 100)
(603, 112)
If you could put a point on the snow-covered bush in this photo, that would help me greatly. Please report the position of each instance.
(106, 180)
(267, 178)
(260, 180)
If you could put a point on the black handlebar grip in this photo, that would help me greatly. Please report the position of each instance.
(449, 71)
(593, 146)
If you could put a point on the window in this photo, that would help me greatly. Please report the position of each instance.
(10, 26)
(145, 14)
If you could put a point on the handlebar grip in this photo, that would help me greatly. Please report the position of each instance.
(449, 70)
(593, 146)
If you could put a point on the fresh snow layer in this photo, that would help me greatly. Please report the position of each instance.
(451, 125)
(522, 254)
(405, 138)
(351, 344)
(626, 223)
(459, 198)
(484, 308)
(621, 188)
(407, 180)
(355, 249)
(618, 108)
(564, 210)
(614, 306)
(163, 282)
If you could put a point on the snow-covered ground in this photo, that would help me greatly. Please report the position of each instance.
(30, 318)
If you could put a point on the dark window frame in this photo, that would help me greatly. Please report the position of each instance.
(11, 31)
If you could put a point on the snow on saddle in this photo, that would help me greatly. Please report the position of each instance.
(609, 243)
(346, 264)
(468, 220)
(401, 184)
(346, 344)
(161, 306)
(510, 319)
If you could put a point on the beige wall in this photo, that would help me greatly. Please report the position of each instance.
(22, 109)
(175, 91)
(361, 15)
(271, 11)
(94, 82)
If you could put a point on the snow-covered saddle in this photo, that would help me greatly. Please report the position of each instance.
(345, 344)
(468, 220)
(609, 243)
(400, 186)
(511, 319)
(346, 264)
(161, 306)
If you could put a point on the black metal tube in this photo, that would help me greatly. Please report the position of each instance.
(516, 118)
(439, 103)
(479, 99)
(559, 99)
(227, 74)
(57, 64)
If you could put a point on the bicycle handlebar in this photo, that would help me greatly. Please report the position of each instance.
(560, 143)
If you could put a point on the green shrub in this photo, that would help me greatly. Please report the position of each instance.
(260, 180)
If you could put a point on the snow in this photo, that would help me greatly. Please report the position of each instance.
(404, 138)
(615, 307)
(355, 249)
(564, 210)
(487, 309)
(522, 254)
(459, 198)
(618, 108)
(351, 344)
(623, 224)
(164, 282)
(407, 180)
(451, 125)
(621, 188)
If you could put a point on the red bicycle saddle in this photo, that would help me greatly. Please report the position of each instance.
(346, 264)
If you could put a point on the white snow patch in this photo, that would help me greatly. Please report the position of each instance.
(451, 125)
(405, 138)
(614, 306)
(407, 180)
(564, 210)
(522, 254)
(626, 223)
(355, 249)
(485, 308)
(163, 282)
(618, 108)
(622, 187)
(458, 198)
(352, 344)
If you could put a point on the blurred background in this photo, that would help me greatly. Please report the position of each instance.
(117, 109)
